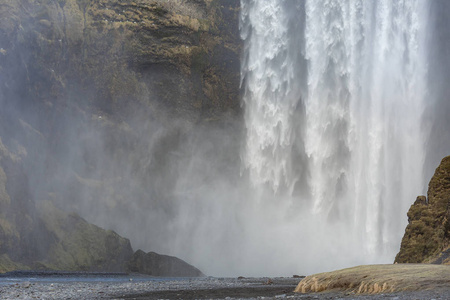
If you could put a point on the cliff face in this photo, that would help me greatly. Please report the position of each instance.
(106, 53)
(427, 236)
(93, 94)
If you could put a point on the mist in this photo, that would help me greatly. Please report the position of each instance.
(278, 184)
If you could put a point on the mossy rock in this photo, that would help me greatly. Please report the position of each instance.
(427, 236)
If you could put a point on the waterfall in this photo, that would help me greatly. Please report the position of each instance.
(272, 93)
(334, 94)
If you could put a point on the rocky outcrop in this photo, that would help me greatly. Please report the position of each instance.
(76, 245)
(427, 236)
(161, 265)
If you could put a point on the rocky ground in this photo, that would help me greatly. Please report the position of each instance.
(199, 288)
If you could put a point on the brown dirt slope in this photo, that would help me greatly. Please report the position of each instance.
(374, 279)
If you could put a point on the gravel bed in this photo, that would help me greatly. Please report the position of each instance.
(131, 289)
(198, 288)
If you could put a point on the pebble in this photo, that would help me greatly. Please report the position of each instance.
(104, 290)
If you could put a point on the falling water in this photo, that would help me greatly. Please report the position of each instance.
(334, 93)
